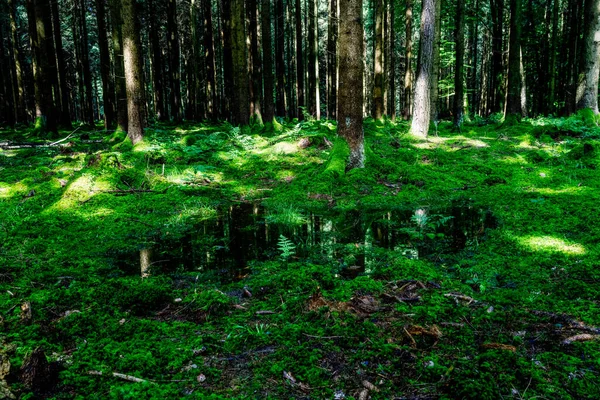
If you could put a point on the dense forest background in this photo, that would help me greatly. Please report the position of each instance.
(63, 60)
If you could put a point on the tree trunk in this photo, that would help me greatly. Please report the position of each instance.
(209, 50)
(63, 87)
(496, 75)
(459, 79)
(241, 99)
(88, 103)
(553, 52)
(7, 84)
(300, 92)
(279, 58)
(379, 11)
(174, 60)
(290, 81)
(117, 41)
(391, 61)
(257, 86)
(408, 73)
(314, 101)
(157, 63)
(587, 90)
(134, 74)
(267, 44)
(572, 42)
(21, 108)
(350, 90)
(107, 84)
(422, 100)
(44, 69)
(513, 99)
(435, 72)
(332, 35)
(473, 81)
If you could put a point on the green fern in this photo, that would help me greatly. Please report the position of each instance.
(286, 247)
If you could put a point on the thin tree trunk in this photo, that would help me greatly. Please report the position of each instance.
(459, 39)
(435, 72)
(553, 52)
(513, 99)
(572, 43)
(269, 108)
(117, 41)
(256, 62)
(496, 75)
(107, 84)
(279, 58)
(408, 73)
(473, 81)
(379, 11)
(88, 103)
(20, 105)
(299, 60)
(134, 74)
(391, 61)
(332, 35)
(290, 67)
(174, 60)
(209, 54)
(7, 84)
(422, 100)
(350, 90)
(241, 99)
(157, 63)
(314, 101)
(587, 90)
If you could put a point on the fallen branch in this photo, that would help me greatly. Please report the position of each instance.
(62, 140)
(265, 312)
(323, 337)
(462, 297)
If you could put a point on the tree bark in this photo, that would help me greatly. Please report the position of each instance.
(496, 74)
(391, 61)
(314, 100)
(88, 103)
(435, 72)
(119, 68)
(332, 35)
(513, 99)
(157, 62)
(267, 44)
(408, 73)
(209, 54)
(107, 84)
(241, 99)
(7, 84)
(300, 92)
(553, 51)
(350, 90)
(134, 74)
(422, 100)
(174, 60)
(279, 58)
(459, 79)
(257, 86)
(21, 108)
(379, 10)
(228, 89)
(587, 90)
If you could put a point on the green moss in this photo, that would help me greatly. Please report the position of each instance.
(124, 145)
(338, 159)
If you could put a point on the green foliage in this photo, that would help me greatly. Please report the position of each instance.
(286, 248)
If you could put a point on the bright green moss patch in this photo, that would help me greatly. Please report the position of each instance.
(460, 267)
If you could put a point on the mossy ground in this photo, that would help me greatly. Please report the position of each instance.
(489, 322)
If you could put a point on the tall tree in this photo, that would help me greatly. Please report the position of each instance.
(88, 103)
(435, 71)
(21, 110)
(119, 68)
(422, 99)
(44, 65)
(314, 98)
(391, 60)
(241, 100)
(157, 62)
(587, 89)
(408, 73)
(379, 10)
(553, 53)
(134, 74)
(299, 58)
(267, 44)
(209, 55)
(174, 60)
(513, 98)
(7, 92)
(257, 87)
(496, 74)
(350, 90)
(63, 95)
(332, 35)
(228, 89)
(280, 58)
(108, 94)
(459, 39)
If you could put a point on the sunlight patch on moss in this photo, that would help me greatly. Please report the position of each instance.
(569, 190)
(552, 244)
(512, 160)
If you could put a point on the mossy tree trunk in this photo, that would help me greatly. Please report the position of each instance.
(422, 99)
(513, 99)
(350, 89)
(587, 89)
(134, 74)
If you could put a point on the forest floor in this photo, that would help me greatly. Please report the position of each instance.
(461, 267)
